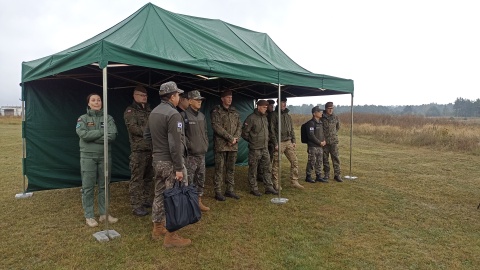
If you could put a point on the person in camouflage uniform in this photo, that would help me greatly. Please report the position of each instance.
(227, 129)
(287, 144)
(271, 145)
(196, 134)
(166, 134)
(141, 181)
(316, 140)
(331, 125)
(255, 132)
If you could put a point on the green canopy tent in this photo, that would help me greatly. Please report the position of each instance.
(149, 47)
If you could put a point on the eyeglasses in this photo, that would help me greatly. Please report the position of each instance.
(142, 95)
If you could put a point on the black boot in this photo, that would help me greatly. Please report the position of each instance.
(309, 179)
(219, 196)
(320, 179)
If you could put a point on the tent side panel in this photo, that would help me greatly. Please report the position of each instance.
(52, 150)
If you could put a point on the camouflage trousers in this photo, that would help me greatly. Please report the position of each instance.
(224, 170)
(287, 148)
(260, 172)
(259, 158)
(164, 178)
(196, 172)
(331, 150)
(140, 186)
(315, 161)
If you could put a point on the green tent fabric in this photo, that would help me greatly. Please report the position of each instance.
(150, 47)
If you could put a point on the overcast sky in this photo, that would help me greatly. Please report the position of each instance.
(408, 52)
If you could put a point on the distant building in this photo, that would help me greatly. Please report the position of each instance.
(10, 110)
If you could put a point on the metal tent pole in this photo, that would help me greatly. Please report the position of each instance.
(24, 194)
(106, 234)
(279, 199)
(349, 176)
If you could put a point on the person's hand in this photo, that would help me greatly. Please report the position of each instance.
(323, 143)
(234, 141)
(276, 147)
(294, 145)
(179, 176)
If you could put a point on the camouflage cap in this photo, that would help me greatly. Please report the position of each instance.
(316, 109)
(169, 87)
(195, 94)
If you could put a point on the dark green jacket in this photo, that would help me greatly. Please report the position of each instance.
(287, 132)
(166, 132)
(255, 130)
(195, 132)
(315, 132)
(136, 119)
(90, 130)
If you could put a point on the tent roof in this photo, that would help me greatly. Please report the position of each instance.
(168, 45)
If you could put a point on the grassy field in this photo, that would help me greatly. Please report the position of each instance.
(412, 207)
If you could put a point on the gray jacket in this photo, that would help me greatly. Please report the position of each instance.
(166, 133)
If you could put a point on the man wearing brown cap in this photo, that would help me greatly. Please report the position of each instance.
(315, 142)
(227, 129)
(255, 132)
(165, 132)
(141, 181)
(331, 125)
(285, 144)
(197, 143)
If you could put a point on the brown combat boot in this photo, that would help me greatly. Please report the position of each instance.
(159, 230)
(172, 239)
(203, 208)
(295, 184)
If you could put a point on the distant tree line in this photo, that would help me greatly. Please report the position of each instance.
(460, 108)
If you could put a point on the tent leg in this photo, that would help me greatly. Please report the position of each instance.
(107, 234)
(24, 194)
(279, 199)
(349, 176)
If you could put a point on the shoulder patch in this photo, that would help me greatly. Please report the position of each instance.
(179, 125)
(78, 125)
(79, 120)
(128, 111)
(312, 128)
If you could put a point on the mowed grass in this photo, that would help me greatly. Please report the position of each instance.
(410, 208)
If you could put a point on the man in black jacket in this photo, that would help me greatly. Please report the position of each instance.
(197, 143)
(316, 140)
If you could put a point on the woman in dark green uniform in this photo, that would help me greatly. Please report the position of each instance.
(90, 130)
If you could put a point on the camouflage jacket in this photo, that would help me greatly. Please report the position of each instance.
(331, 125)
(255, 130)
(287, 132)
(136, 119)
(226, 125)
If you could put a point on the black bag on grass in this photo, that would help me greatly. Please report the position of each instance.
(181, 206)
